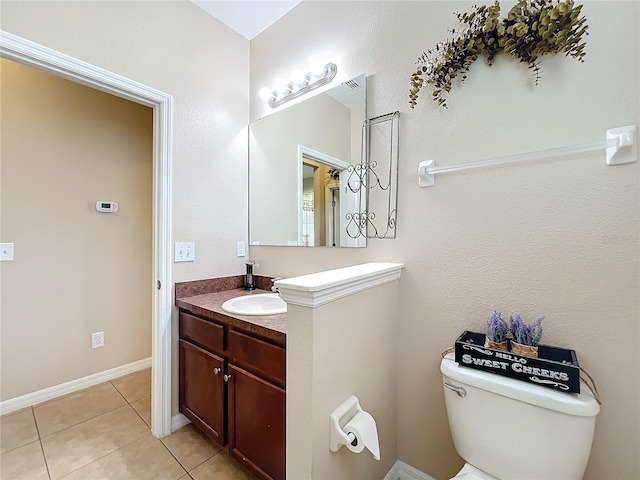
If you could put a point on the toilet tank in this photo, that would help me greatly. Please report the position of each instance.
(515, 430)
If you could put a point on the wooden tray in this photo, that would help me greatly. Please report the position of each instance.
(555, 368)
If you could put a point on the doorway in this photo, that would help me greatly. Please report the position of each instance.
(17, 49)
(323, 199)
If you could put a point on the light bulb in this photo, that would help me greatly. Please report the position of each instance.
(265, 93)
(298, 77)
(279, 86)
(318, 68)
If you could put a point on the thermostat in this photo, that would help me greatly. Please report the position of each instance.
(108, 207)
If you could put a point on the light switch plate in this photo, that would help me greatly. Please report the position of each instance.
(6, 252)
(185, 252)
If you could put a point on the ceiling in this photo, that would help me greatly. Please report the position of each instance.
(247, 17)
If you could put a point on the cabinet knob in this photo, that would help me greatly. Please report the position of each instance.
(227, 378)
(216, 370)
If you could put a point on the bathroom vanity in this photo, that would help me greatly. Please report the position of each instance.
(232, 379)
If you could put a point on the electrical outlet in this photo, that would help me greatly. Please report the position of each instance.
(241, 249)
(97, 340)
(6, 252)
(185, 252)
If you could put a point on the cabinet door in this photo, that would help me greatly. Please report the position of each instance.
(202, 390)
(257, 424)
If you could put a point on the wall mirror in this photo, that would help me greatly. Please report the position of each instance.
(301, 192)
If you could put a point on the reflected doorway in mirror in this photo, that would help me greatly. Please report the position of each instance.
(324, 200)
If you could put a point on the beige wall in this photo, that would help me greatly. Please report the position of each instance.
(559, 238)
(346, 347)
(177, 48)
(76, 271)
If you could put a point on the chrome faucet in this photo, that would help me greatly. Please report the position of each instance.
(274, 289)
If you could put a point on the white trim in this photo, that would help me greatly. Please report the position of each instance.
(38, 56)
(23, 401)
(403, 471)
(394, 473)
(320, 158)
(319, 288)
(178, 421)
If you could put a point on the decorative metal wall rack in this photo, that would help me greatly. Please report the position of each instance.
(620, 148)
(375, 179)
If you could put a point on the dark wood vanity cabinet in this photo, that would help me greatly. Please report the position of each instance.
(257, 404)
(202, 398)
(232, 387)
(257, 423)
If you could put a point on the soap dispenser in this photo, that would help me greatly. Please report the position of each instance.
(249, 282)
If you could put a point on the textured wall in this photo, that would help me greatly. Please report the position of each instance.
(76, 271)
(558, 238)
(340, 349)
(352, 355)
(177, 48)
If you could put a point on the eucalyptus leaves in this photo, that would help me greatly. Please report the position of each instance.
(532, 29)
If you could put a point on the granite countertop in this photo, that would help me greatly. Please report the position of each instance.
(209, 305)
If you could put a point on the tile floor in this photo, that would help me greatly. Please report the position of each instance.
(103, 433)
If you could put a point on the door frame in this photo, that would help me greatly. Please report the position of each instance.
(26, 52)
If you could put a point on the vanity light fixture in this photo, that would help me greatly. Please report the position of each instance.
(300, 84)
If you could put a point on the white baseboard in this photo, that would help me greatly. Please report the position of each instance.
(23, 401)
(403, 471)
(178, 421)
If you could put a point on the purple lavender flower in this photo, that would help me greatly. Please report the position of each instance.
(536, 331)
(518, 328)
(526, 334)
(497, 328)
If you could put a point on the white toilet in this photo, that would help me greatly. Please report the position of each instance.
(510, 429)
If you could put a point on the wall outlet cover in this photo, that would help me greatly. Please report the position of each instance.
(97, 340)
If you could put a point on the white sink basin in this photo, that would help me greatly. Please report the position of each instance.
(259, 304)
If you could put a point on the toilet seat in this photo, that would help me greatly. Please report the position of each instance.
(469, 472)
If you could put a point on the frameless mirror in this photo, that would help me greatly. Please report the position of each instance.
(300, 164)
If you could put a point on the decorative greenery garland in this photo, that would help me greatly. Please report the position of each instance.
(533, 28)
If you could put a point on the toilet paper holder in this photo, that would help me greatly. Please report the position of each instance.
(353, 427)
(339, 418)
